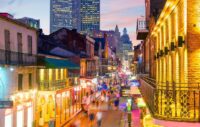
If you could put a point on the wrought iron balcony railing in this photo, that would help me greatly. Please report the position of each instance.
(106, 62)
(142, 28)
(172, 101)
(91, 73)
(17, 58)
(52, 85)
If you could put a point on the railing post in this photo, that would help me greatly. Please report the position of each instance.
(167, 85)
(174, 96)
(174, 89)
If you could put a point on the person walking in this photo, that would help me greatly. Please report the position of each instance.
(91, 114)
(99, 118)
(91, 118)
(102, 97)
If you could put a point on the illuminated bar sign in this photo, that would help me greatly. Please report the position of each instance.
(6, 104)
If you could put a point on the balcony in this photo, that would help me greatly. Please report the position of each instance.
(16, 58)
(108, 62)
(52, 85)
(91, 74)
(107, 66)
(169, 101)
(142, 29)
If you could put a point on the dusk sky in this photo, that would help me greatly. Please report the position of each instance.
(121, 12)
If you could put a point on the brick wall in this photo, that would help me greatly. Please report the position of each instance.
(193, 40)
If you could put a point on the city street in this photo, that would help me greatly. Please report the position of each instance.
(111, 118)
(99, 63)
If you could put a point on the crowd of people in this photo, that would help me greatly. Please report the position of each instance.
(93, 104)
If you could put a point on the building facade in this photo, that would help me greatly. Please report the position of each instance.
(174, 58)
(64, 13)
(125, 48)
(153, 8)
(90, 16)
(18, 61)
(74, 46)
(59, 91)
(113, 37)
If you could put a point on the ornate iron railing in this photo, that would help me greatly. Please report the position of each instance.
(91, 74)
(52, 85)
(172, 101)
(108, 62)
(17, 58)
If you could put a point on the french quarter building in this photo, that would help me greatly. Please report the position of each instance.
(172, 93)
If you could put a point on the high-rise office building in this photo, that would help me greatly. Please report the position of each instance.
(90, 15)
(83, 15)
(76, 20)
(64, 13)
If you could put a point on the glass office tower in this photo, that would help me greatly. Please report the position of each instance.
(83, 15)
(64, 13)
(90, 15)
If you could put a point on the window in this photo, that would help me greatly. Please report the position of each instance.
(19, 46)
(20, 81)
(19, 42)
(7, 39)
(30, 81)
(30, 51)
(7, 46)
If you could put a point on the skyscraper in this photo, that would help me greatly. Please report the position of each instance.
(83, 15)
(64, 13)
(90, 15)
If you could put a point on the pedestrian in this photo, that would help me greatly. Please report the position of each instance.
(116, 102)
(91, 118)
(102, 97)
(84, 103)
(106, 99)
(88, 100)
(91, 115)
(99, 118)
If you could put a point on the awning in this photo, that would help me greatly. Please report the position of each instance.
(59, 63)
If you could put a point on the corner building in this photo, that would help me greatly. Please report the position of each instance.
(18, 65)
(174, 58)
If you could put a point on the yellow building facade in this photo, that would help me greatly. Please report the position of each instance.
(176, 38)
(175, 62)
(59, 93)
